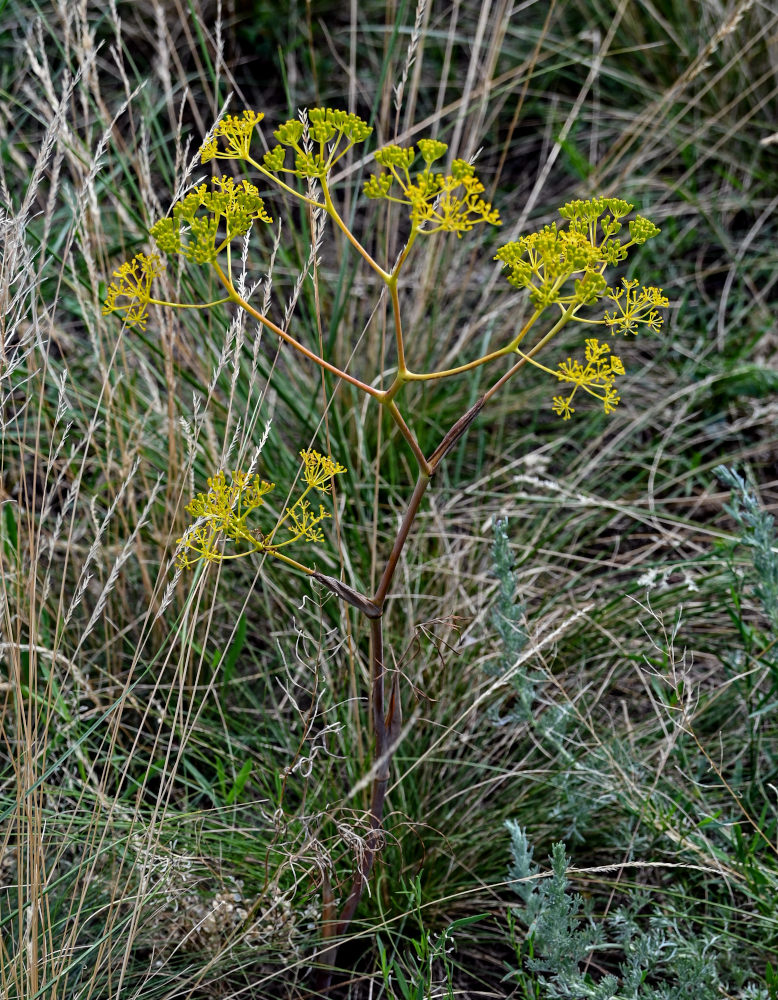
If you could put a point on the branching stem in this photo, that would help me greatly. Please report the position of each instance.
(333, 214)
(235, 297)
(408, 434)
(277, 181)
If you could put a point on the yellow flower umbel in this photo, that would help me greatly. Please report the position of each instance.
(202, 224)
(130, 295)
(547, 261)
(300, 519)
(319, 469)
(596, 377)
(222, 515)
(331, 134)
(438, 202)
(236, 131)
(635, 307)
(563, 266)
(205, 222)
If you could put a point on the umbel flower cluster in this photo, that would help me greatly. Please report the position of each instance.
(448, 202)
(222, 515)
(130, 294)
(205, 222)
(563, 267)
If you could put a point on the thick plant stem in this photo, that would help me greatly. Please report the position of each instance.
(402, 536)
(387, 721)
(383, 728)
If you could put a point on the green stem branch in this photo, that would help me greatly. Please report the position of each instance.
(492, 356)
(333, 214)
(190, 305)
(277, 180)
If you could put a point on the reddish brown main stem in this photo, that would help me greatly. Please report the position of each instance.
(386, 725)
(402, 536)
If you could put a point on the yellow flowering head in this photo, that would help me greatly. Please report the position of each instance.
(130, 294)
(449, 202)
(221, 514)
(304, 524)
(564, 264)
(231, 137)
(319, 469)
(204, 222)
(331, 134)
(596, 376)
(635, 306)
